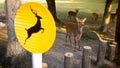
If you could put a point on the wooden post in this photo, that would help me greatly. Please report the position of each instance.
(107, 50)
(86, 62)
(68, 60)
(112, 51)
(101, 53)
(115, 43)
(44, 65)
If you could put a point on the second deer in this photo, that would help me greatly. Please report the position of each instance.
(75, 30)
(95, 16)
(73, 14)
(113, 16)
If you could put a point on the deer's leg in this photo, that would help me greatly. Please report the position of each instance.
(66, 37)
(75, 41)
(78, 39)
(29, 34)
(79, 45)
(70, 40)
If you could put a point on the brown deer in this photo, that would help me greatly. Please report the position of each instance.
(113, 16)
(73, 13)
(95, 16)
(75, 30)
(35, 28)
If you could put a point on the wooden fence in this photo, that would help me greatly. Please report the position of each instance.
(87, 56)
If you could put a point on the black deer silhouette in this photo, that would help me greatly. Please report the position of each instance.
(36, 28)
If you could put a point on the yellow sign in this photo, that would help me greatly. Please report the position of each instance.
(35, 27)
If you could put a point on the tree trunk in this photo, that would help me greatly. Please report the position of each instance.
(52, 9)
(16, 56)
(117, 34)
(106, 17)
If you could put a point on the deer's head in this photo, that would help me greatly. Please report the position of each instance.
(35, 13)
(81, 21)
(77, 10)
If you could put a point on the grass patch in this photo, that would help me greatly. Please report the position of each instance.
(86, 8)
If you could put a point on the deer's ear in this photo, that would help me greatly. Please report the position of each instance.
(84, 20)
(77, 19)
